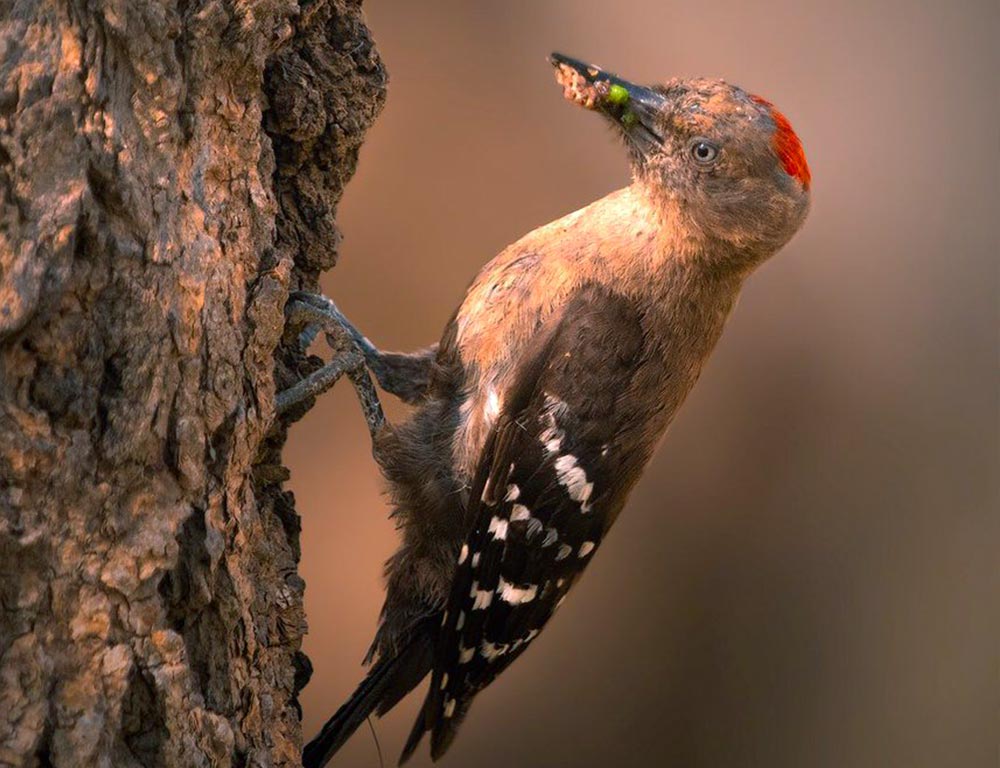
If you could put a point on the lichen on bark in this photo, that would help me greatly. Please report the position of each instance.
(168, 172)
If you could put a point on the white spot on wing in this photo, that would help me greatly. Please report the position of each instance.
(519, 512)
(444, 681)
(481, 598)
(552, 440)
(551, 436)
(461, 621)
(550, 537)
(513, 493)
(586, 548)
(498, 528)
(516, 595)
(490, 651)
(463, 554)
(465, 655)
(564, 551)
(449, 708)
(574, 479)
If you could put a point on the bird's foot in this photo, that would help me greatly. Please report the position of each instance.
(308, 314)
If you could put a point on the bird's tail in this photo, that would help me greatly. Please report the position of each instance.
(443, 730)
(388, 681)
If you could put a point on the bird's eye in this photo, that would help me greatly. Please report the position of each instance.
(703, 151)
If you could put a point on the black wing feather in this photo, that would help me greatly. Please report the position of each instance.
(552, 477)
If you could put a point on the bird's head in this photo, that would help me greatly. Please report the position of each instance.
(728, 161)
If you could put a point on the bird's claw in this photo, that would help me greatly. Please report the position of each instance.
(308, 314)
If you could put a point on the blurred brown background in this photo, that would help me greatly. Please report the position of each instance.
(807, 574)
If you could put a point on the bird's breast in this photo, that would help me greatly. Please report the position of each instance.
(613, 242)
(502, 312)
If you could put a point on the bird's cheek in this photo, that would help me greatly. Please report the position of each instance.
(672, 177)
(752, 214)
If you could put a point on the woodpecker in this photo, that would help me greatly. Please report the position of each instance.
(552, 385)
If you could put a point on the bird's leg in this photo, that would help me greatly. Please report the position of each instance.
(405, 375)
(306, 315)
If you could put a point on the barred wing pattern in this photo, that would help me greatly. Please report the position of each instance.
(551, 478)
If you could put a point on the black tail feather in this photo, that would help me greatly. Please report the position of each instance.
(339, 728)
(413, 741)
(442, 730)
(445, 730)
(388, 681)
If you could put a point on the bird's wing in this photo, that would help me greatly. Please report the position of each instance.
(552, 476)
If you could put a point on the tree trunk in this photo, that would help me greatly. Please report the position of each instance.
(169, 170)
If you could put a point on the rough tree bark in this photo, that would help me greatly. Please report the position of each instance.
(169, 170)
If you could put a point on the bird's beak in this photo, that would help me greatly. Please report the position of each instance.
(633, 107)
